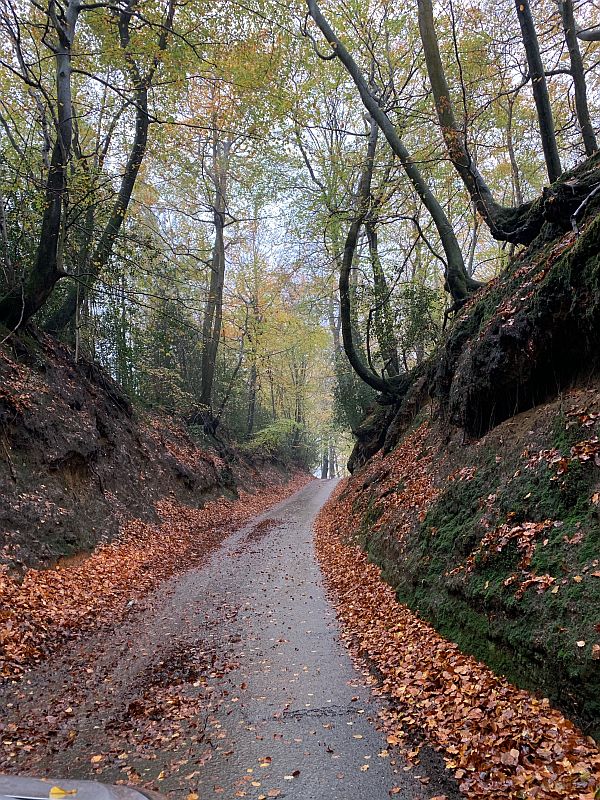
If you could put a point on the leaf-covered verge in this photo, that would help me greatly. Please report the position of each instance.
(51, 607)
(77, 460)
(476, 487)
(496, 541)
(500, 741)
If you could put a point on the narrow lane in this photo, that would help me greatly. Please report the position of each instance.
(229, 681)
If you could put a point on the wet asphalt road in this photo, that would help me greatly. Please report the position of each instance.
(303, 705)
(288, 714)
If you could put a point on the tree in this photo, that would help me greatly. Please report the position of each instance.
(141, 81)
(459, 283)
(24, 298)
(578, 75)
(517, 225)
(540, 89)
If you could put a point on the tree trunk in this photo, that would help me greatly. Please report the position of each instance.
(457, 281)
(540, 90)
(510, 144)
(9, 273)
(251, 401)
(348, 334)
(23, 300)
(384, 323)
(332, 461)
(213, 310)
(517, 225)
(103, 251)
(578, 75)
(454, 137)
(325, 461)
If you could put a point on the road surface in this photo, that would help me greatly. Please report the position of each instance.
(229, 681)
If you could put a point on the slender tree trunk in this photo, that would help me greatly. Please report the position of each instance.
(510, 144)
(540, 90)
(23, 300)
(458, 282)
(332, 460)
(103, 251)
(9, 273)
(516, 225)
(578, 75)
(213, 310)
(235, 372)
(348, 332)
(251, 401)
(473, 244)
(325, 461)
(454, 136)
(384, 323)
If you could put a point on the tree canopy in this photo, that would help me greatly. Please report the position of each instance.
(258, 216)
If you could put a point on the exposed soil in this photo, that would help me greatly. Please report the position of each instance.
(77, 461)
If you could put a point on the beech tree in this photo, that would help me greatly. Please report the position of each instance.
(22, 299)
(29, 292)
(458, 281)
(141, 80)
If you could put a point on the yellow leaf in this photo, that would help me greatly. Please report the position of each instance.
(56, 791)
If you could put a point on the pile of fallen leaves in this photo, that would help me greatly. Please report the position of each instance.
(47, 608)
(499, 741)
(403, 480)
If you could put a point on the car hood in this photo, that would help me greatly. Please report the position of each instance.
(37, 789)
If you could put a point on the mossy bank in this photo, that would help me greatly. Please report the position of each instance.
(477, 488)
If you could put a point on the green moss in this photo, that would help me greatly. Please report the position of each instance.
(529, 637)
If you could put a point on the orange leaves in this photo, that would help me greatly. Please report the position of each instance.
(405, 481)
(48, 608)
(498, 740)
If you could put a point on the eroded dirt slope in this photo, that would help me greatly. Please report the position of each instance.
(77, 462)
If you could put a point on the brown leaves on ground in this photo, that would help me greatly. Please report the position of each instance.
(500, 742)
(47, 608)
(403, 478)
